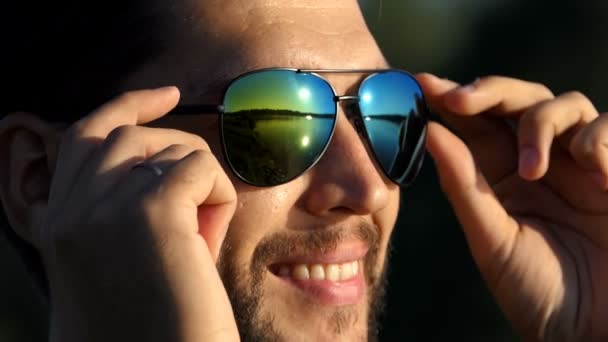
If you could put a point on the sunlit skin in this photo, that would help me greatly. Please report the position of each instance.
(325, 197)
(530, 195)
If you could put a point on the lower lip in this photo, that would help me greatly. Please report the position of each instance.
(331, 293)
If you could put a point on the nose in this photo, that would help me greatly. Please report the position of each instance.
(346, 179)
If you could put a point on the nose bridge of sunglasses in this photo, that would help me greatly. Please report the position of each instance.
(350, 107)
(349, 103)
(339, 98)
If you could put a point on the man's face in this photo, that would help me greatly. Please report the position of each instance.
(334, 222)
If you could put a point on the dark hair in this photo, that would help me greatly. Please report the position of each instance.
(66, 58)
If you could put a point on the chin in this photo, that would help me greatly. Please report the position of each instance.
(293, 290)
(292, 320)
(296, 309)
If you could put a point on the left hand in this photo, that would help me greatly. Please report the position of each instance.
(532, 197)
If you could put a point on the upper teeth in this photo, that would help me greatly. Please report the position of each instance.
(331, 272)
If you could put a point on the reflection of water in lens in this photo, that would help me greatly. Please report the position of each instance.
(271, 146)
(394, 117)
(276, 124)
(305, 141)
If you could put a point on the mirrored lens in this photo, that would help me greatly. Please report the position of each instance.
(276, 124)
(394, 115)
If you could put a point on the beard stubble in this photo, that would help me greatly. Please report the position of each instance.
(244, 285)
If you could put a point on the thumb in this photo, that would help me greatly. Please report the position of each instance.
(487, 226)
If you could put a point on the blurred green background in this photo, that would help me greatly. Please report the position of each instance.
(435, 292)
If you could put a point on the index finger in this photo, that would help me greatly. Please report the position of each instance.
(497, 95)
(131, 108)
(78, 143)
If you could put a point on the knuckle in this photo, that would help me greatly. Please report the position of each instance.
(538, 116)
(205, 158)
(202, 155)
(74, 131)
(579, 98)
(596, 143)
(200, 159)
(542, 89)
(545, 114)
(575, 94)
(123, 133)
(178, 150)
(128, 98)
(202, 142)
(196, 140)
(589, 144)
(123, 130)
(490, 79)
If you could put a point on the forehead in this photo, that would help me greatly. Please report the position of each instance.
(210, 42)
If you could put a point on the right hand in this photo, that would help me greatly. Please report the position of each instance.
(130, 256)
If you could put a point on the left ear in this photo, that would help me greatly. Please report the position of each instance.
(28, 152)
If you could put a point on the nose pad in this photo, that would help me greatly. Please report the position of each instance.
(353, 113)
(359, 126)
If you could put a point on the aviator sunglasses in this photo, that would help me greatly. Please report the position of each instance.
(277, 123)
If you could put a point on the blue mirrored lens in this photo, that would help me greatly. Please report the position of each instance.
(276, 124)
(394, 116)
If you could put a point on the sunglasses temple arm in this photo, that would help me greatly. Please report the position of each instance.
(197, 109)
(179, 110)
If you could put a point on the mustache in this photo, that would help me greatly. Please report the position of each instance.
(315, 238)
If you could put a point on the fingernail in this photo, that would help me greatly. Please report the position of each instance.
(600, 179)
(528, 159)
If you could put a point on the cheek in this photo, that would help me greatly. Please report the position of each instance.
(263, 209)
(389, 213)
(260, 212)
(385, 220)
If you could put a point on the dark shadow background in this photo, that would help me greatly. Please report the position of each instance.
(435, 293)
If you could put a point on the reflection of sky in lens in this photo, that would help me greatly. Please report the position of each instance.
(389, 92)
(386, 101)
(280, 89)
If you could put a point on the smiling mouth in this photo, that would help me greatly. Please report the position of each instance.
(333, 272)
(330, 279)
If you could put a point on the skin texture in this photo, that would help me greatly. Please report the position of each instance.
(533, 219)
(323, 202)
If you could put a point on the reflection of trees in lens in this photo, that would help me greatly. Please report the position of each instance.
(385, 132)
(270, 146)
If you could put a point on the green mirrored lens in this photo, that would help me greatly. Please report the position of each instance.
(276, 124)
(394, 115)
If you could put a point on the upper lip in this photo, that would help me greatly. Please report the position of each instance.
(344, 252)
